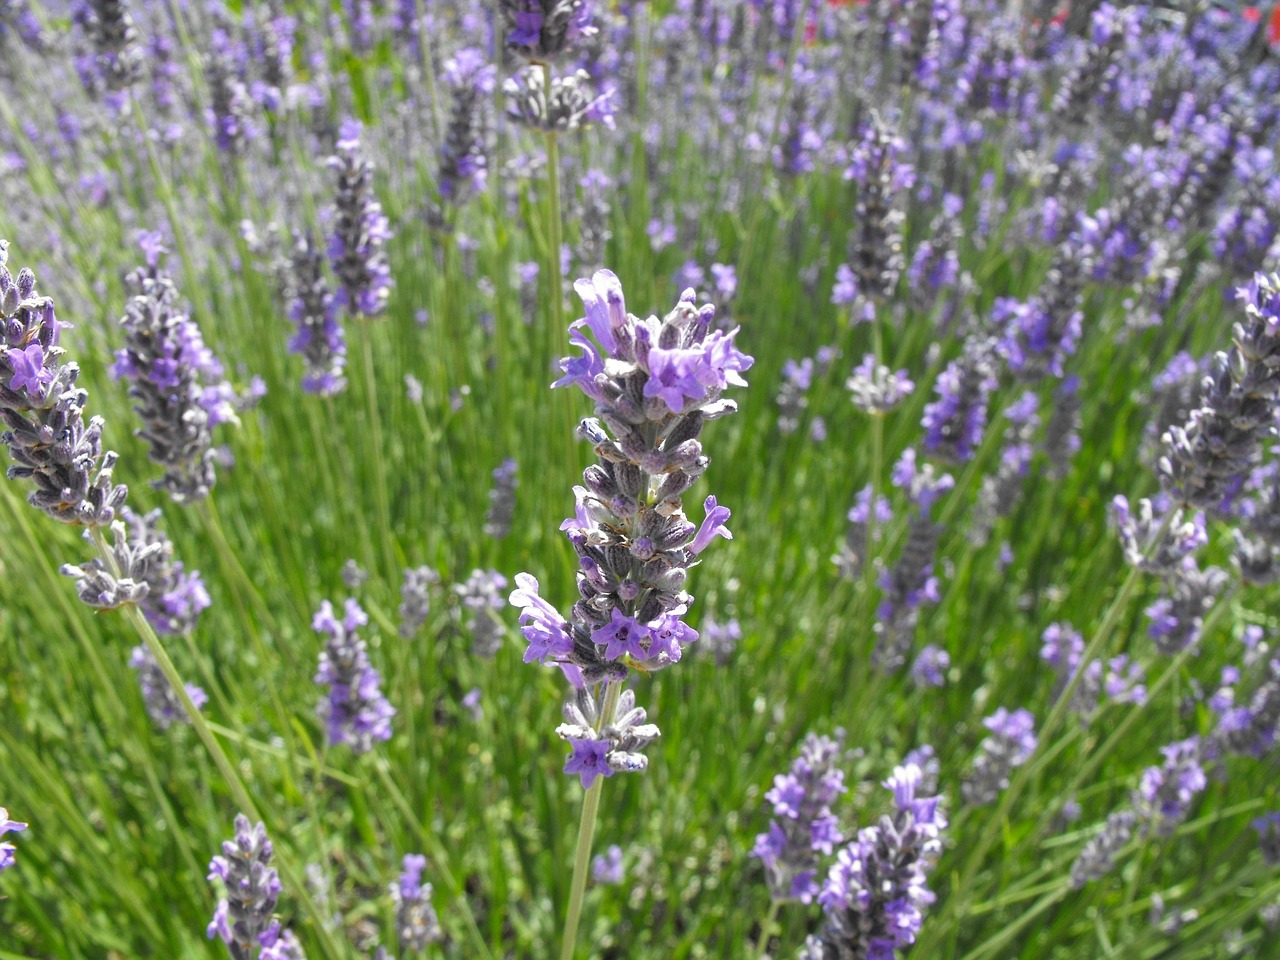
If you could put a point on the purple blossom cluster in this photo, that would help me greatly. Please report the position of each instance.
(42, 411)
(803, 828)
(416, 922)
(875, 896)
(251, 889)
(360, 230)
(8, 852)
(320, 339)
(482, 596)
(654, 383)
(463, 166)
(177, 383)
(354, 709)
(909, 584)
(1011, 744)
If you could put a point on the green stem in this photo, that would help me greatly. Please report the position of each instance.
(877, 458)
(1118, 735)
(1060, 707)
(220, 759)
(586, 831)
(762, 942)
(379, 466)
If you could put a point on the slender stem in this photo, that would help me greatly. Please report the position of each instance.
(1118, 734)
(877, 465)
(220, 759)
(555, 232)
(379, 466)
(586, 831)
(763, 942)
(997, 821)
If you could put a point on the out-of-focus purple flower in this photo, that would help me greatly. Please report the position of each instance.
(803, 826)
(1011, 744)
(875, 388)
(360, 230)
(543, 31)
(8, 852)
(463, 166)
(1267, 827)
(1166, 792)
(606, 868)
(354, 710)
(416, 920)
(482, 595)
(930, 667)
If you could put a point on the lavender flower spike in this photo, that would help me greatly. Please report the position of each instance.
(354, 710)
(7, 849)
(654, 383)
(360, 230)
(416, 920)
(40, 404)
(320, 339)
(875, 895)
(176, 382)
(252, 887)
(1011, 744)
(803, 826)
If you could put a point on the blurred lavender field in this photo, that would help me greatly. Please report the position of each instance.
(672, 479)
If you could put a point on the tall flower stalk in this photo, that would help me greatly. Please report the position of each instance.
(654, 383)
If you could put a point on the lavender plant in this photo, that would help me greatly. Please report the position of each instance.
(654, 384)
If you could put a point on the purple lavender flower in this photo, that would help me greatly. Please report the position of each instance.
(875, 246)
(230, 105)
(1188, 595)
(876, 389)
(251, 889)
(930, 667)
(40, 403)
(1182, 536)
(606, 868)
(163, 705)
(571, 104)
(1042, 333)
(849, 558)
(8, 852)
(320, 339)
(1098, 856)
(954, 424)
(542, 31)
(360, 230)
(354, 710)
(876, 893)
(720, 639)
(602, 745)
(1011, 744)
(1166, 792)
(416, 920)
(1267, 827)
(463, 167)
(482, 595)
(502, 499)
(910, 583)
(1123, 682)
(177, 384)
(797, 379)
(415, 599)
(1220, 442)
(116, 61)
(633, 541)
(803, 826)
